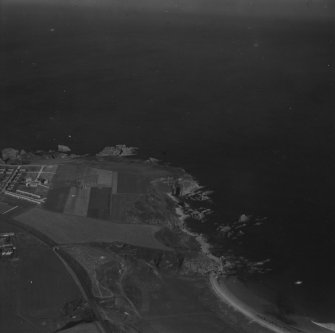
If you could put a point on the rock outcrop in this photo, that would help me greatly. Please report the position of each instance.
(63, 149)
(117, 150)
(9, 154)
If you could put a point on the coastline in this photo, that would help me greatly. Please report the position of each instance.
(223, 292)
(218, 284)
(217, 281)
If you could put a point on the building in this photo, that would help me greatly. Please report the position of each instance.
(7, 247)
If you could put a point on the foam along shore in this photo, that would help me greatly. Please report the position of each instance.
(328, 326)
(222, 291)
(189, 189)
(205, 247)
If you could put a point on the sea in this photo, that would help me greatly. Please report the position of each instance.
(238, 93)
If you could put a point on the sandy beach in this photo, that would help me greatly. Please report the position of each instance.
(303, 324)
(221, 288)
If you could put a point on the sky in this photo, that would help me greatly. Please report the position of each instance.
(298, 8)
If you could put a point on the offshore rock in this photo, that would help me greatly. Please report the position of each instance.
(244, 219)
(224, 229)
(118, 150)
(152, 160)
(186, 186)
(63, 149)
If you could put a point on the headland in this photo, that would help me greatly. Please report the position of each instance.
(117, 225)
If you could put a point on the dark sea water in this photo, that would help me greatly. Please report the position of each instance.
(240, 94)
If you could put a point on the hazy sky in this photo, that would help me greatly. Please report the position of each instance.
(302, 8)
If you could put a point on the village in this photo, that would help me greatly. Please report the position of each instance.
(26, 182)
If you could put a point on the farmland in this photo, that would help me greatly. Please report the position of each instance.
(67, 229)
(112, 227)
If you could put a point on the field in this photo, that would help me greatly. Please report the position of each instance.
(82, 328)
(5, 207)
(77, 201)
(100, 203)
(34, 287)
(69, 229)
(63, 180)
(107, 194)
(132, 183)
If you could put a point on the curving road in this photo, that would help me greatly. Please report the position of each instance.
(53, 246)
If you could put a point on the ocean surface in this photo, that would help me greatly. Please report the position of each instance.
(240, 94)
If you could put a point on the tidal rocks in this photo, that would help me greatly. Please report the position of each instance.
(244, 218)
(117, 150)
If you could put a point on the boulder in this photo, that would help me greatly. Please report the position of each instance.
(188, 186)
(152, 160)
(23, 152)
(9, 154)
(225, 229)
(118, 150)
(244, 218)
(63, 149)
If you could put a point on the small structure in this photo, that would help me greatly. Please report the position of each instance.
(43, 181)
(32, 182)
(7, 247)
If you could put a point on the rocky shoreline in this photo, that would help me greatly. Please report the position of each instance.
(181, 191)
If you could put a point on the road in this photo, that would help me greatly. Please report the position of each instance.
(52, 245)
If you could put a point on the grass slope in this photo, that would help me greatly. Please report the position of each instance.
(67, 229)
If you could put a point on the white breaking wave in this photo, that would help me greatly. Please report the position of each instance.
(328, 326)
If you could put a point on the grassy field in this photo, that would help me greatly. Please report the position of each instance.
(104, 177)
(104, 191)
(61, 185)
(131, 183)
(100, 203)
(34, 287)
(68, 229)
(77, 201)
(82, 328)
